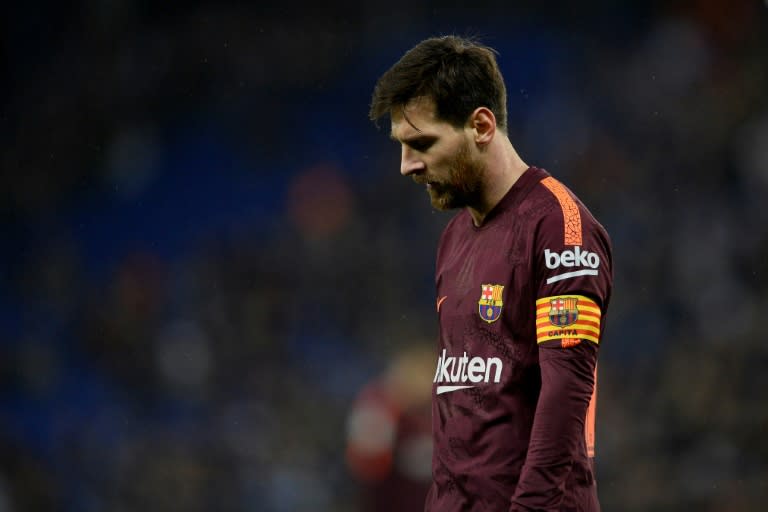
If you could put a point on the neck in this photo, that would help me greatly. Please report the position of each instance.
(503, 168)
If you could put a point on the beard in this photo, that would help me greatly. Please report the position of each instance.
(464, 183)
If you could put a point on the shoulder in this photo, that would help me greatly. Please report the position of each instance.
(572, 250)
(559, 214)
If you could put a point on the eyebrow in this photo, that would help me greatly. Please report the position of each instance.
(405, 116)
(425, 137)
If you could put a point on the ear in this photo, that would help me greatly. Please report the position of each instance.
(483, 124)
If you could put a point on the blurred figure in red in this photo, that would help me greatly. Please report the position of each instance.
(389, 437)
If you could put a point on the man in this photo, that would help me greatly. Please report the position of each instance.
(523, 280)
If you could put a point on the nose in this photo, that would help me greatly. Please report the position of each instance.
(409, 162)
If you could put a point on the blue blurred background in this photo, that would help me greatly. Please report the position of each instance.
(208, 254)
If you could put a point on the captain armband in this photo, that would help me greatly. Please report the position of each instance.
(568, 318)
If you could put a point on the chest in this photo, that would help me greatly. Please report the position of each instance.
(485, 294)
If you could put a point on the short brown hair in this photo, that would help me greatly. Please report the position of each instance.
(458, 74)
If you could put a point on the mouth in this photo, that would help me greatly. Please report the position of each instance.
(428, 183)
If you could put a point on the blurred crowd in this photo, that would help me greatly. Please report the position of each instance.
(217, 291)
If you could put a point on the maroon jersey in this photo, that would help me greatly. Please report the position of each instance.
(521, 302)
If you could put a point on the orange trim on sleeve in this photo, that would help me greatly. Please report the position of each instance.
(589, 423)
(571, 215)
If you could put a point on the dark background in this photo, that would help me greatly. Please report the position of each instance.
(207, 249)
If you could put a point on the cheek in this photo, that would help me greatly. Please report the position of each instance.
(443, 162)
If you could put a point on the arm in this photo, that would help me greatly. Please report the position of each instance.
(567, 383)
(573, 275)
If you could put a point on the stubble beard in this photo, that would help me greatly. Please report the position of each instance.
(464, 184)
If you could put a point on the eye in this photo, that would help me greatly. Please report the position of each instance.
(421, 144)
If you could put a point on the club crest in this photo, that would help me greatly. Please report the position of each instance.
(563, 311)
(490, 303)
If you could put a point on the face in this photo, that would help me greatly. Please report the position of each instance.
(437, 155)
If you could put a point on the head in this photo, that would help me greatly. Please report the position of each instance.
(445, 98)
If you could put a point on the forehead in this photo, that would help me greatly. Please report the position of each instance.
(417, 117)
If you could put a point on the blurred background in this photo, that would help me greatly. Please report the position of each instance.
(217, 290)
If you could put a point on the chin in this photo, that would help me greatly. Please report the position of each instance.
(445, 202)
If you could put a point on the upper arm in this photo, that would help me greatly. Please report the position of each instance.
(572, 273)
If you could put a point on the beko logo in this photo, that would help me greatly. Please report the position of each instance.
(569, 259)
(575, 258)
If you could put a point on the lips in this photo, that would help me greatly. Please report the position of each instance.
(429, 183)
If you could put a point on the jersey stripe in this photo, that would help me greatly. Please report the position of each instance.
(589, 423)
(542, 310)
(571, 214)
(587, 326)
(584, 302)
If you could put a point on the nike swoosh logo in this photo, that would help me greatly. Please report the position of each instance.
(440, 302)
(448, 389)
